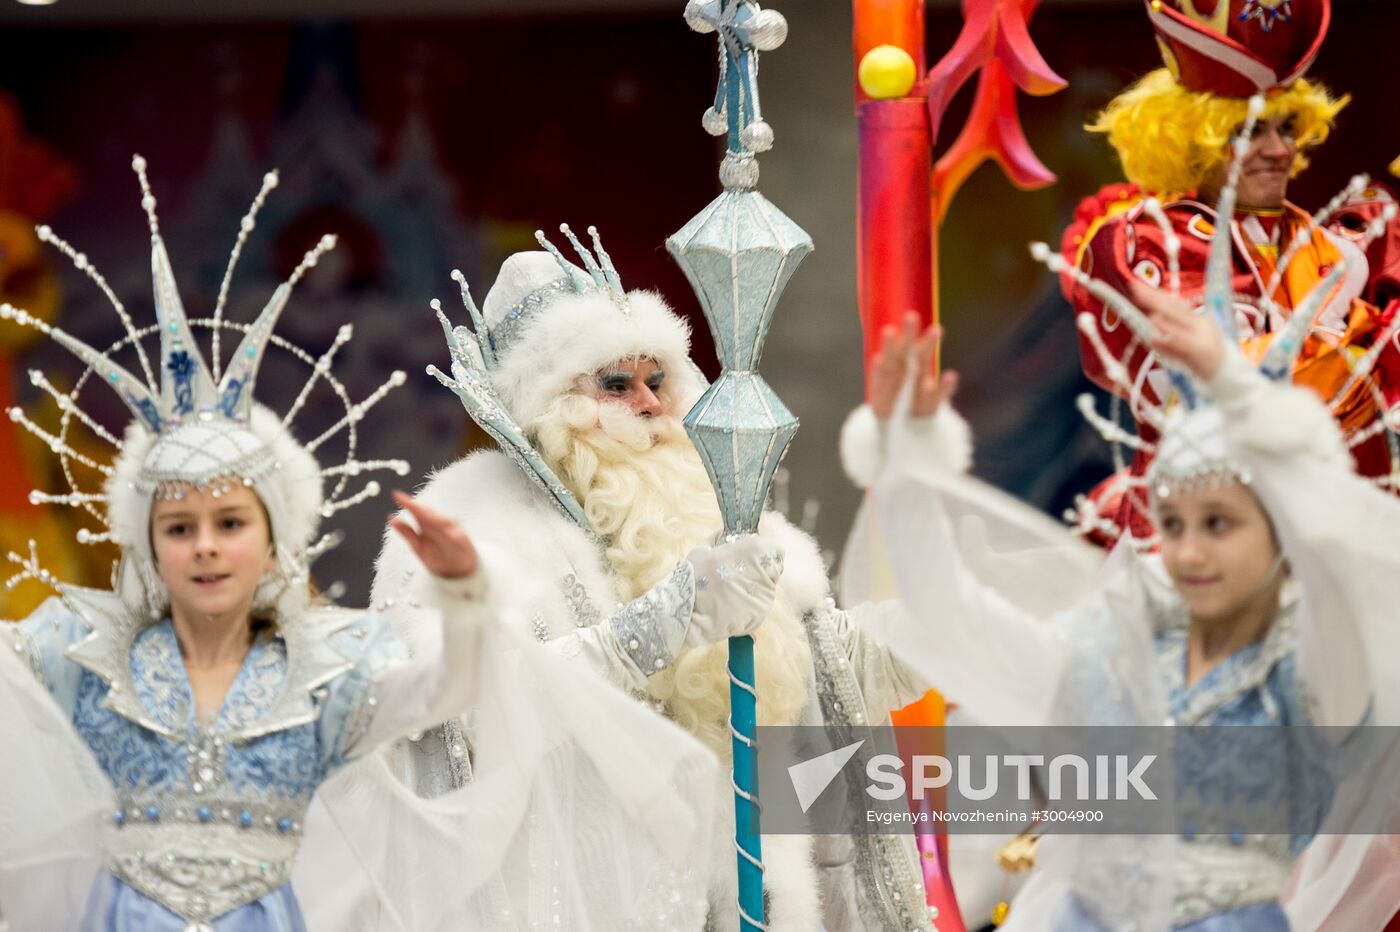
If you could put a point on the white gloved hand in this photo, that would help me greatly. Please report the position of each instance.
(735, 584)
(718, 591)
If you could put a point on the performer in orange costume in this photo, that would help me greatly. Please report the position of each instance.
(1172, 131)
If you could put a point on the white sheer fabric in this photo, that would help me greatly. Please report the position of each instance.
(584, 812)
(53, 806)
(584, 815)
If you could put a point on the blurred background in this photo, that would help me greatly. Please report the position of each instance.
(438, 134)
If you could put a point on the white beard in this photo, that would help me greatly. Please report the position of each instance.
(644, 490)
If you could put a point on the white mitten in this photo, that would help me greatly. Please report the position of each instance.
(717, 592)
(735, 584)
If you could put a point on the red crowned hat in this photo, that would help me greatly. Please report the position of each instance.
(1237, 48)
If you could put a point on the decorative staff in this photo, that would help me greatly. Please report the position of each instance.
(738, 254)
(902, 202)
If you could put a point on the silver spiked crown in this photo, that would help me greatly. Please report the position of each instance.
(197, 425)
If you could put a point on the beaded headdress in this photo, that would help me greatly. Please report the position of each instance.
(197, 427)
(545, 323)
(1192, 448)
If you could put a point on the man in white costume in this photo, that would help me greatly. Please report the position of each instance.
(601, 501)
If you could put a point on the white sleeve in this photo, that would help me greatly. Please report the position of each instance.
(597, 648)
(978, 575)
(997, 660)
(640, 638)
(439, 681)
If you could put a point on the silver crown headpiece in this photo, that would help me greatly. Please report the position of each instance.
(478, 352)
(1192, 449)
(200, 426)
(598, 276)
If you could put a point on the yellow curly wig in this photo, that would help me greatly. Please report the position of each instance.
(1169, 138)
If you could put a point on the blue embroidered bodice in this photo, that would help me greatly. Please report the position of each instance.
(1277, 777)
(1247, 799)
(1278, 772)
(208, 818)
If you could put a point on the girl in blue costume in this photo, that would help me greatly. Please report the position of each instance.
(1268, 602)
(1265, 605)
(213, 694)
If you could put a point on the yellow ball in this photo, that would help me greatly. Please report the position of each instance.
(886, 71)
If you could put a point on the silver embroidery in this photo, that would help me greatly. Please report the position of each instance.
(1212, 879)
(584, 611)
(651, 702)
(887, 887)
(443, 760)
(159, 843)
(206, 754)
(311, 662)
(650, 626)
(513, 324)
(454, 742)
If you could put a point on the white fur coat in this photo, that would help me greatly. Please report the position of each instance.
(560, 589)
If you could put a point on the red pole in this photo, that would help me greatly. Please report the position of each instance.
(895, 237)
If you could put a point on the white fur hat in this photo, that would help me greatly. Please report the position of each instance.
(546, 331)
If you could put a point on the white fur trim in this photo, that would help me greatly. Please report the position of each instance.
(862, 446)
(943, 441)
(576, 335)
(1276, 418)
(789, 877)
(804, 580)
(1288, 419)
(298, 478)
(129, 514)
